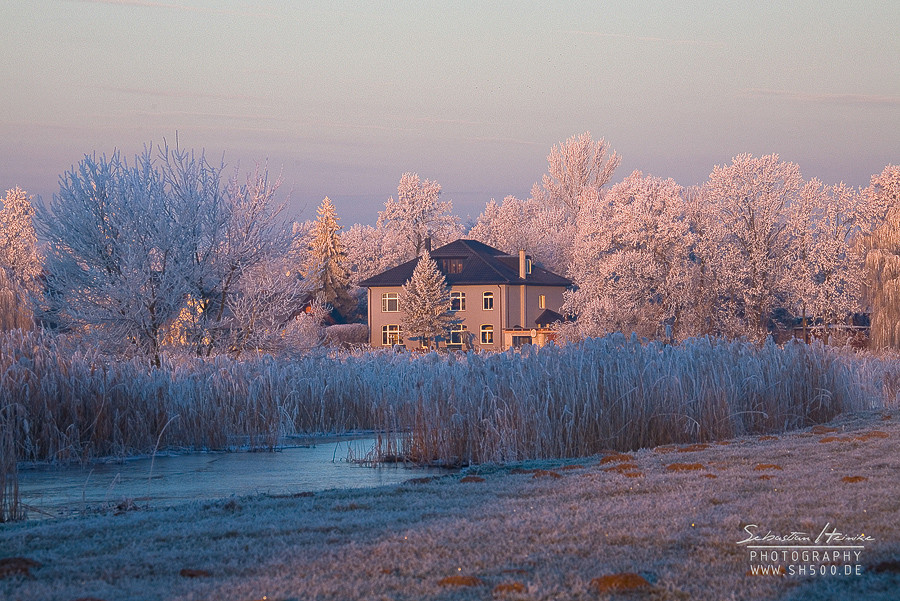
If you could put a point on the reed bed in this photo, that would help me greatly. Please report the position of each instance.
(610, 393)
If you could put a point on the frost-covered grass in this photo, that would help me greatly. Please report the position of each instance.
(569, 401)
(517, 534)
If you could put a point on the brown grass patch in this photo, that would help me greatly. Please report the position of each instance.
(892, 566)
(17, 565)
(852, 479)
(567, 468)
(459, 580)
(665, 449)
(622, 468)
(822, 430)
(835, 439)
(694, 447)
(546, 474)
(873, 435)
(471, 479)
(192, 573)
(637, 474)
(766, 466)
(710, 476)
(723, 443)
(509, 587)
(424, 480)
(617, 458)
(765, 477)
(885, 417)
(684, 467)
(626, 581)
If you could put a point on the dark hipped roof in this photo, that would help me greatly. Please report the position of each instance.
(483, 264)
(548, 317)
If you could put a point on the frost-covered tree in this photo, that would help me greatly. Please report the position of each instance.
(577, 170)
(362, 245)
(425, 303)
(883, 258)
(20, 263)
(527, 225)
(325, 268)
(632, 264)
(266, 310)
(751, 197)
(118, 267)
(827, 257)
(134, 250)
(415, 216)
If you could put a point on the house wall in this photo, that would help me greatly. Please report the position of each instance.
(532, 309)
(378, 318)
(506, 313)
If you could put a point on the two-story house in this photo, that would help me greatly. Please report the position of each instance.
(500, 300)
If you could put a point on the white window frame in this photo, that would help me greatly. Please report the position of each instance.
(386, 298)
(487, 298)
(391, 334)
(487, 334)
(457, 300)
(460, 330)
(542, 301)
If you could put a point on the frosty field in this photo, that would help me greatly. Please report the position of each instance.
(547, 530)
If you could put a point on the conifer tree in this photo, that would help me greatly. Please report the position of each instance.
(425, 303)
(326, 266)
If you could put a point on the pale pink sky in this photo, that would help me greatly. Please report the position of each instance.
(342, 98)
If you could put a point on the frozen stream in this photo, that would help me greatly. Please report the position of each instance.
(55, 491)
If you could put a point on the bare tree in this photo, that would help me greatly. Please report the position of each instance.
(20, 263)
(883, 257)
(577, 170)
(134, 251)
(632, 265)
(751, 197)
(415, 216)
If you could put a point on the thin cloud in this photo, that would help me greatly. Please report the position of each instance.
(643, 38)
(861, 99)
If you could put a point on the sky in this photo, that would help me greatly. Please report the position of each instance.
(342, 98)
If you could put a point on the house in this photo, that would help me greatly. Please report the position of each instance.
(501, 300)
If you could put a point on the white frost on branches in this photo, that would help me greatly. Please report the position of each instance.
(415, 216)
(325, 268)
(631, 263)
(20, 263)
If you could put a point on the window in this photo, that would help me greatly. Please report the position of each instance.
(528, 265)
(391, 335)
(457, 301)
(487, 334)
(488, 301)
(542, 302)
(452, 266)
(390, 302)
(518, 341)
(457, 336)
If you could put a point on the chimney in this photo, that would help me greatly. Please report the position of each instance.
(428, 244)
(522, 264)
